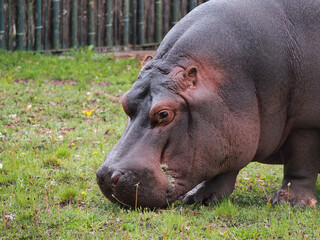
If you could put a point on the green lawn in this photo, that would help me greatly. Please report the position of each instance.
(59, 116)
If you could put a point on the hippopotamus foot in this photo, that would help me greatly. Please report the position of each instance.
(301, 155)
(298, 199)
(212, 190)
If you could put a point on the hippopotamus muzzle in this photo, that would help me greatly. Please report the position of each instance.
(133, 187)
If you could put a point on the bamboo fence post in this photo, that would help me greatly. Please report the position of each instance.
(174, 12)
(9, 25)
(115, 15)
(80, 24)
(74, 23)
(28, 25)
(98, 23)
(158, 22)
(125, 19)
(20, 25)
(190, 5)
(141, 22)
(164, 18)
(55, 25)
(2, 24)
(63, 24)
(90, 22)
(108, 33)
(133, 22)
(46, 26)
(149, 37)
(37, 45)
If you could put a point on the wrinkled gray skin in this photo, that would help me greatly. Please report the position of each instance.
(233, 82)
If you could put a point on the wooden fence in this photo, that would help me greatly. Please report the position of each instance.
(58, 25)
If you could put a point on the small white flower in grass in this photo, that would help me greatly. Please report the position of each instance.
(10, 216)
(29, 106)
(1, 166)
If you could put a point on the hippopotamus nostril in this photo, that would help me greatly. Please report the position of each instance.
(115, 178)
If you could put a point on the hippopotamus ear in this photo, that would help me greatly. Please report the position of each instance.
(190, 77)
(146, 60)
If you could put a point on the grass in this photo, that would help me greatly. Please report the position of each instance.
(59, 116)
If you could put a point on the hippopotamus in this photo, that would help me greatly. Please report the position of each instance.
(232, 82)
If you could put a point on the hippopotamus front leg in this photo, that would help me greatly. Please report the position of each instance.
(212, 190)
(301, 156)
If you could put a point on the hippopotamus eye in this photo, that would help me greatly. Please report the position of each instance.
(164, 116)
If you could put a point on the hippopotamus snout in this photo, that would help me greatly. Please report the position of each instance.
(128, 186)
(111, 181)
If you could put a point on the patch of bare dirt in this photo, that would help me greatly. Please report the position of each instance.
(64, 130)
(22, 81)
(101, 83)
(62, 82)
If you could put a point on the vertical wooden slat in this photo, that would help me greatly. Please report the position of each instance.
(90, 22)
(174, 12)
(141, 39)
(74, 25)
(158, 21)
(55, 25)
(108, 32)
(125, 20)
(38, 27)
(2, 24)
(20, 25)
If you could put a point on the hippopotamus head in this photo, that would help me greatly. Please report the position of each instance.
(179, 133)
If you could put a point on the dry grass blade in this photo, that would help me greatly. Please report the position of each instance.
(136, 202)
(230, 232)
(120, 201)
